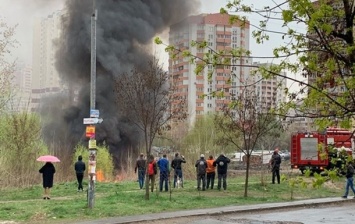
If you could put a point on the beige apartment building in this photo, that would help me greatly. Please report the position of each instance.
(270, 92)
(21, 92)
(220, 35)
(45, 78)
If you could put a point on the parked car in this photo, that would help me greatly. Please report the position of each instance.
(285, 155)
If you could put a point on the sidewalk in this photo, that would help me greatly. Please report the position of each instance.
(218, 211)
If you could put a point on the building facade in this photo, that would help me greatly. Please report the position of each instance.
(20, 96)
(270, 92)
(198, 89)
(45, 78)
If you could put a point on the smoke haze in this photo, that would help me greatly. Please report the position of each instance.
(125, 29)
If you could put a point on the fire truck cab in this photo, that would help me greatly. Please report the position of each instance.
(315, 150)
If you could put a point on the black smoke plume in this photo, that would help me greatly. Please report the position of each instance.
(125, 29)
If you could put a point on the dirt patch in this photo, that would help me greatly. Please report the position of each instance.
(332, 185)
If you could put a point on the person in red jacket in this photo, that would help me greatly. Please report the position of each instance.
(211, 172)
(152, 171)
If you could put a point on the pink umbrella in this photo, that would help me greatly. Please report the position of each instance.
(48, 158)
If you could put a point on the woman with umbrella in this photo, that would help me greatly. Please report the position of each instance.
(47, 172)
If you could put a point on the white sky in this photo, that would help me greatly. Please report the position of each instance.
(22, 12)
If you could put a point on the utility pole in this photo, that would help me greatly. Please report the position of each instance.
(93, 113)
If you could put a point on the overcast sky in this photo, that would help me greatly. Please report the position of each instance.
(22, 13)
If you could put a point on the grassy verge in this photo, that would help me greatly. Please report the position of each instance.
(124, 198)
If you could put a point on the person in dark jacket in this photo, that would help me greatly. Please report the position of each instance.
(349, 179)
(201, 166)
(47, 172)
(80, 167)
(163, 164)
(176, 165)
(140, 166)
(222, 166)
(275, 162)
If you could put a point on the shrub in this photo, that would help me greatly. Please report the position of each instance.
(21, 145)
(104, 160)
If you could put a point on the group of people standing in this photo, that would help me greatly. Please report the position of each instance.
(205, 170)
(164, 170)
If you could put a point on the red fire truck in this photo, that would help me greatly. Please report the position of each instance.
(315, 150)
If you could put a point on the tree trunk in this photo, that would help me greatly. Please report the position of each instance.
(147, 150)
(247, 176)
(146, 197)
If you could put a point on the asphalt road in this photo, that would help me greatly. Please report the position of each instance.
(343, 213)
(330, 214)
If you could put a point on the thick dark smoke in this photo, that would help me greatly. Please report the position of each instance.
(125, 29)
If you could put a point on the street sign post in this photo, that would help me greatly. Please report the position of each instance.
(94, 113)
(92, 120)
(90, 131)
(92, 144)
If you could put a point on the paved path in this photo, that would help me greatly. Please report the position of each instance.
(151, 218)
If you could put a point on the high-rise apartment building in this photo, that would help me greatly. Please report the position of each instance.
(45, 78)
(270, 92)
(220, 35)
(21, 91)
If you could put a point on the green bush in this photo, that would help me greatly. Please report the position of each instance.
(21, 145)
(104, 161)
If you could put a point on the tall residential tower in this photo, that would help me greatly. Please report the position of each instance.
(220, 35)
(45, 78)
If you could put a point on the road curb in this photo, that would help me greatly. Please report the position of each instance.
(220, 211)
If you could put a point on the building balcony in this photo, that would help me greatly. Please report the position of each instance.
(220, 40)
(200, 77)
(220, 101)
(220, 70)
(200, 55)
(221, 48)
(199, 100)
(200, 39)
(220, 86)
(220, 78)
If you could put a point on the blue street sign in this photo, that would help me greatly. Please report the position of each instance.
(94, 113)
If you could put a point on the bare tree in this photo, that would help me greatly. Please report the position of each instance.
(244, 122)
(150, 102)
(7, 66)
